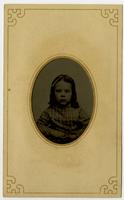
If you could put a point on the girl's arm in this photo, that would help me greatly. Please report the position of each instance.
(83, 118)
(44, 124)
(82, 123)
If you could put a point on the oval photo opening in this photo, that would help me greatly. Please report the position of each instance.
(62, 100)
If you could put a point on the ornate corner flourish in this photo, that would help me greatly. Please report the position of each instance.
(111, 187)
(14, 14)
(12, 187)
(111, 15)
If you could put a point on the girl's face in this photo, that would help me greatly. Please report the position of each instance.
(63, 93)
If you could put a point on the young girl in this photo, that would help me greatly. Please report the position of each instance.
(63, 121)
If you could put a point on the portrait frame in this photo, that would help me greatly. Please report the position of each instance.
(99, 150)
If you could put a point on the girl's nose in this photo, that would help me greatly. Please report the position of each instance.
(63, 94)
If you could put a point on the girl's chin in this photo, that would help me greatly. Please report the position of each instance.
(63, 104)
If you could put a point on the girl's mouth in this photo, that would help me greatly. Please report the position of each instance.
(63, 101)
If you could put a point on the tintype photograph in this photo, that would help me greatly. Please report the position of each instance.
(62, 100)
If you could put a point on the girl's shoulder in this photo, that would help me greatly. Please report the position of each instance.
(47, 110)
(74, 111)
(78, 109)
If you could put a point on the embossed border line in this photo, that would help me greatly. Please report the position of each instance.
(107, 14)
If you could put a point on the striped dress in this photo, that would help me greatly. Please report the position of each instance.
(62, 125)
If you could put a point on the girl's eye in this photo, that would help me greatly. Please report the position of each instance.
(58, 90)
(67, 91)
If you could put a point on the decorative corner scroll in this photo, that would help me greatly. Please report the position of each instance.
(111, 15)
(12, 187)
(14, 14)
(111, 187)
